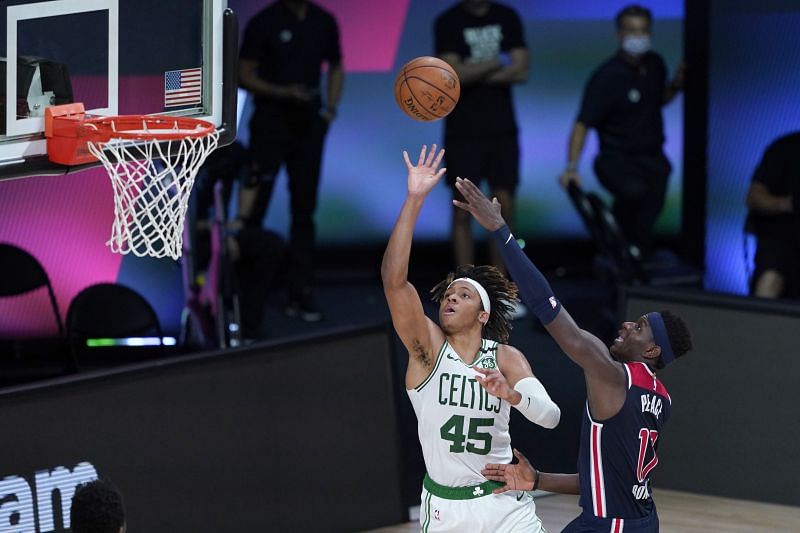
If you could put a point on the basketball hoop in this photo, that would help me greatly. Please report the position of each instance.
(152, 161)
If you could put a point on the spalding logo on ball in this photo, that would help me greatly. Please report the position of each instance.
(427, 88)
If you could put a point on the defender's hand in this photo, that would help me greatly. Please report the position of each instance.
(486, 212)
(520, 476)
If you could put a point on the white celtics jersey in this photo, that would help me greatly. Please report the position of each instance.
(461, 426)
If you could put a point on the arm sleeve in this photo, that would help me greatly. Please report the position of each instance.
(533, 286)
(536, 404)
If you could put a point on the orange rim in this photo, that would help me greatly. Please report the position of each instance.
(144, 128)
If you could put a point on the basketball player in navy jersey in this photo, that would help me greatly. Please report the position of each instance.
(627, 405)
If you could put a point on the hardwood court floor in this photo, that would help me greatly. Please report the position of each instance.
(679, 512)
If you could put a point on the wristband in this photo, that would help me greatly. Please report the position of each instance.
(536, 481)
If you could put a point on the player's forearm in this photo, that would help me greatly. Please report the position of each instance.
(577, 138)
(531, 283)
(335, 87)
(560, 483)
(394, 268)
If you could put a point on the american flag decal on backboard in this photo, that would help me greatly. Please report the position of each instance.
(183, 87)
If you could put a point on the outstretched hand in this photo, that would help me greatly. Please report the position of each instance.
(423, 176)
(520, 476)
(485, 211)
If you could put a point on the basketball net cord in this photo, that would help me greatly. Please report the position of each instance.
(152, 182)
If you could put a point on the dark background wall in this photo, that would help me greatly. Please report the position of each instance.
(734, 427)
(300, 436)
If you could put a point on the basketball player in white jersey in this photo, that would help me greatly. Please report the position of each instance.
(462, 379)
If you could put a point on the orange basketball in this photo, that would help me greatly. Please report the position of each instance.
(427, 88)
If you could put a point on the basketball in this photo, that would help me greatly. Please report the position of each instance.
(427, 89)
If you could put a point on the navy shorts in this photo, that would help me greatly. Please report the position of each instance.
(587, 523)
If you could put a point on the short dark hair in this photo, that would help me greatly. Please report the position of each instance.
(502, 296)
(97, 507)
(633, 10)
(680, 338)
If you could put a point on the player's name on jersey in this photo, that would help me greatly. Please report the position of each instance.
(463, 391)
(651, 404)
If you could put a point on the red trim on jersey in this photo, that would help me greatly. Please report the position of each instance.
(598, 486)
(617, 524)
(642, 377)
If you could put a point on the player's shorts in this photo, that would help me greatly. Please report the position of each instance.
(587, 523)
(476, 510)
(495, 159)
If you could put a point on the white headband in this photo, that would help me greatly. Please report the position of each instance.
(481, 291)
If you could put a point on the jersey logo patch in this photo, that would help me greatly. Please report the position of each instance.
(477, 492)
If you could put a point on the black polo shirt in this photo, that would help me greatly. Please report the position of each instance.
(779, 172)
(623, 103)
(289, 50)
(483, 110)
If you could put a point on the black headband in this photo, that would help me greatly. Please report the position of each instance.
(660, 335)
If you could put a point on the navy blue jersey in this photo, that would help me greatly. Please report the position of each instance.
(617, 455)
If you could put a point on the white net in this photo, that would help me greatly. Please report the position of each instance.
(152, 182)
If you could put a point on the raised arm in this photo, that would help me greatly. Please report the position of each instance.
(415, 330)
(605, 378)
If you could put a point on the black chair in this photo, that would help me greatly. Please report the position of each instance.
(20, 273)
(622, 261)
(109, 310)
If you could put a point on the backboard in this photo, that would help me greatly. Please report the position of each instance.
(117, 57)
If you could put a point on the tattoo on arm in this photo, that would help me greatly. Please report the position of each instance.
(421, 353)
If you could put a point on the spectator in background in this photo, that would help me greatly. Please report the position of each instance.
(284, 48)
(484, 42)
(623, 101)
(97, 507)
(773, 218)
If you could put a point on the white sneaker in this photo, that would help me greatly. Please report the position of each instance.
(518, 311)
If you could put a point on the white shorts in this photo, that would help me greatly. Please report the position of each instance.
(510, 512)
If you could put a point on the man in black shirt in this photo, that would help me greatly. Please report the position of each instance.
(623, 101)
(282, 54)
(774, 192)
(484, 42)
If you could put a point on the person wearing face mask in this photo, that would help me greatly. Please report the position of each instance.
(622, 101)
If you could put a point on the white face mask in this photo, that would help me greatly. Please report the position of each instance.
(636, 45)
